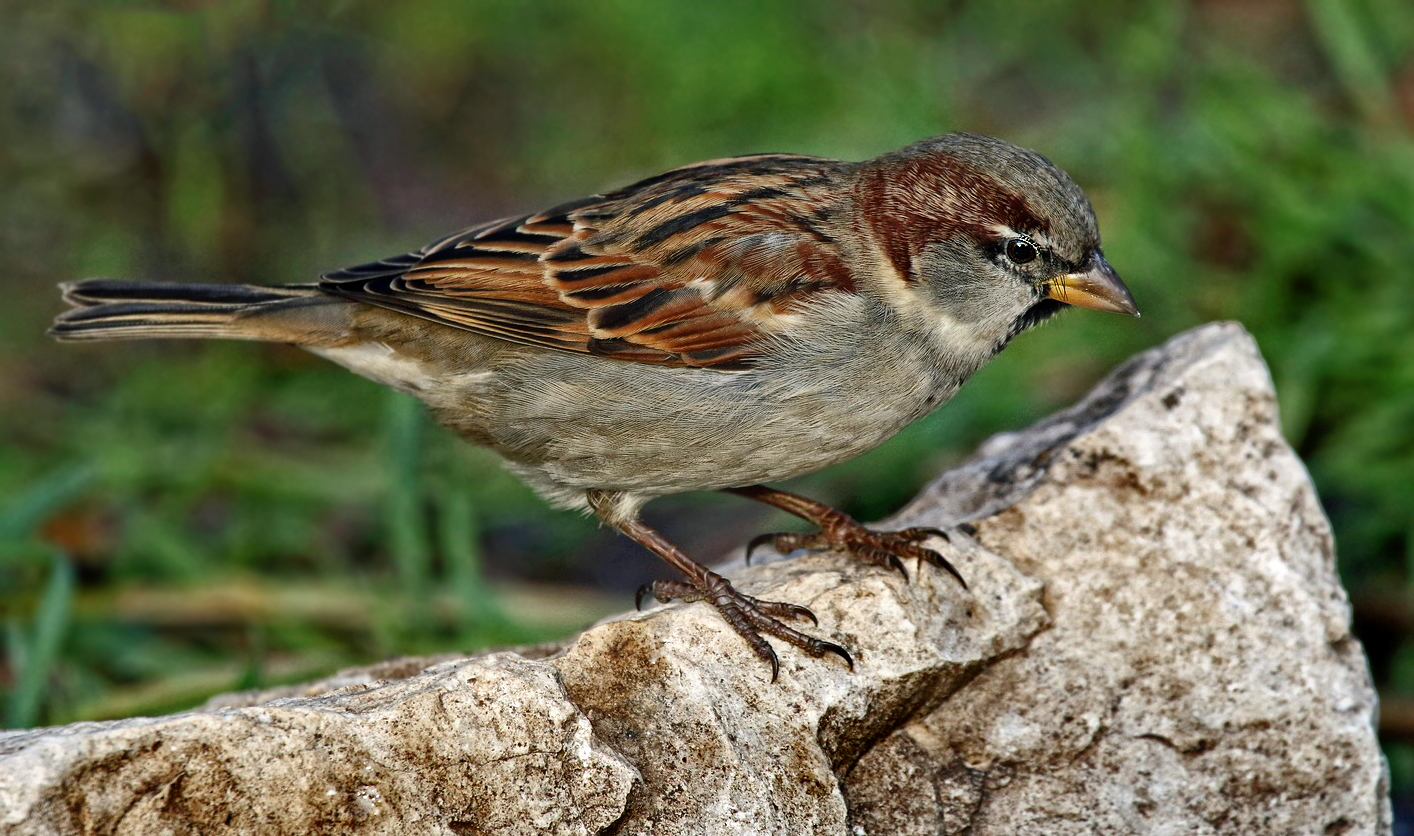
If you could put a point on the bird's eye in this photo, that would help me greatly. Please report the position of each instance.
(1021, 251)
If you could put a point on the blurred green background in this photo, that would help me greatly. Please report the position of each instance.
(179, 519)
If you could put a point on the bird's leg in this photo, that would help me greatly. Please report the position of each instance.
(749, 616)
(840, 532)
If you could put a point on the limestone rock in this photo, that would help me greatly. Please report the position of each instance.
(1198, 676)
(1153, 640)
(483, 745)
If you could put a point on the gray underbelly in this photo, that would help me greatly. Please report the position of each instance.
(652, 430)
(568, 422)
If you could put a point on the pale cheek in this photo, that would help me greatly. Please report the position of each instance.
(969, 345)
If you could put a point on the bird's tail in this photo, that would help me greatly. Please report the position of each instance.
(111, 309)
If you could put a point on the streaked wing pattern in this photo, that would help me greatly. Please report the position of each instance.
(690, 268)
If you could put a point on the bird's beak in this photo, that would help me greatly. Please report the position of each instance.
(1099, 289)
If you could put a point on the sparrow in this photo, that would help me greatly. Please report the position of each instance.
(722, 325)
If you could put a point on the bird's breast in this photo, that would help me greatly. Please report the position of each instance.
(588, 422)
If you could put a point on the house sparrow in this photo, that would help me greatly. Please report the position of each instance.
(723, 324)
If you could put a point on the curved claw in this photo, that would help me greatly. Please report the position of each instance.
(935, 558)
(782, 609)
(638, 597)
(757, 542)
(923, 532)
(898, 564)
(798, 611)
(817, 648)
(951, 570)
(831, 647)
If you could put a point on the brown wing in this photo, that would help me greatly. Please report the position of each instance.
(695, 267)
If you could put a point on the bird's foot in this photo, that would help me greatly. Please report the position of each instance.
(840, 532)
(748, 616)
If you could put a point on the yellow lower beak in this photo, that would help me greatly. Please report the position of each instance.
(1098, 289)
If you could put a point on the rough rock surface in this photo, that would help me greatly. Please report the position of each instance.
(1153, 640)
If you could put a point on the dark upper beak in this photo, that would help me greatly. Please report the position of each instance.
(1099, 289)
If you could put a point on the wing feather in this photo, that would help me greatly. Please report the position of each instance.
(694, 267)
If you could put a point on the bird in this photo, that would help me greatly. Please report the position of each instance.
(719, 326)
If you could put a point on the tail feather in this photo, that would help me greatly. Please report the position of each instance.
(111, 309)
(91, 292)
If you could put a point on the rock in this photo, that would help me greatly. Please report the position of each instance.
(1154, 640)
(1198, 675)
(484, 745)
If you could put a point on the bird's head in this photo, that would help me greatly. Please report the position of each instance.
(992, 238)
